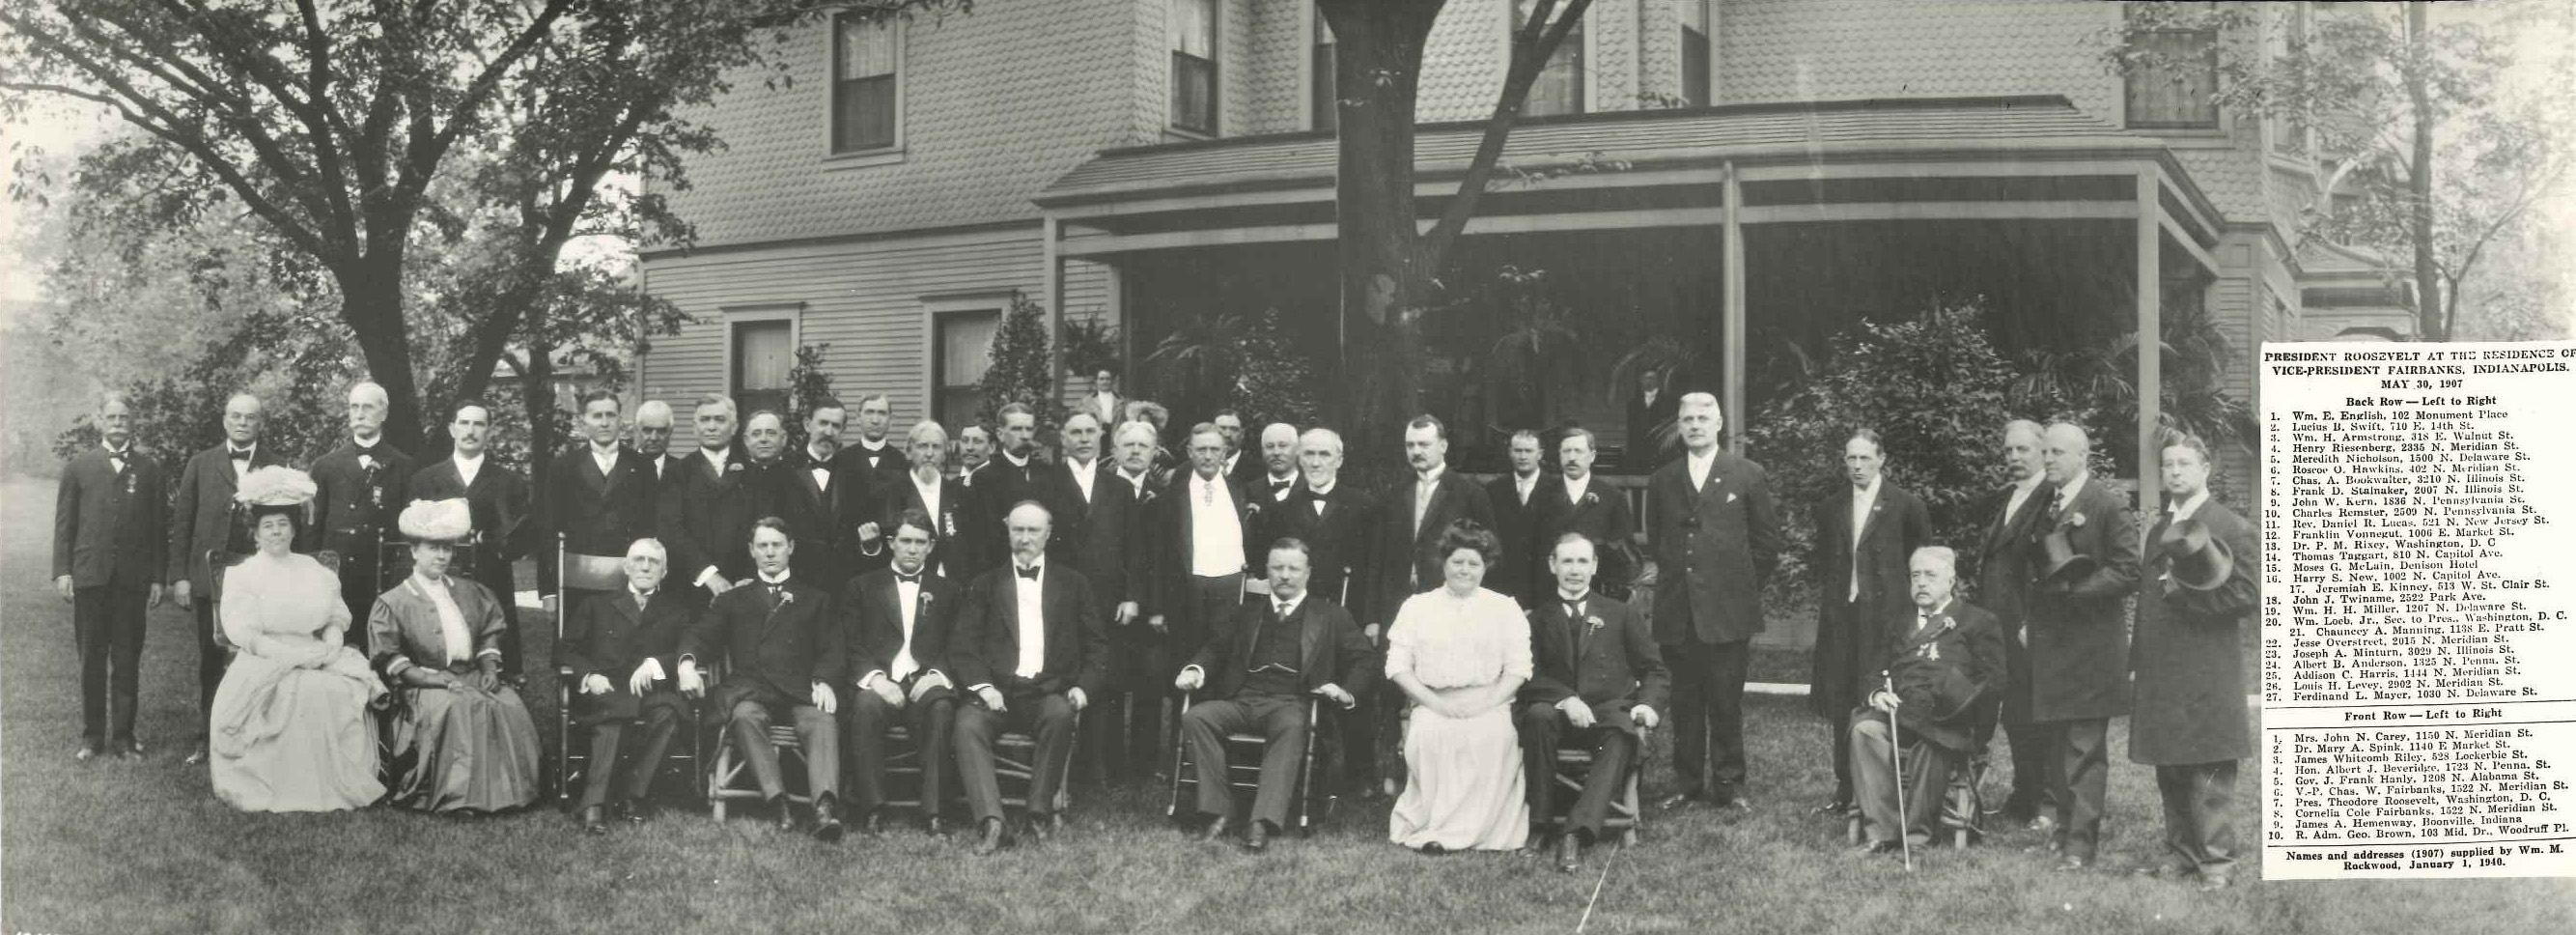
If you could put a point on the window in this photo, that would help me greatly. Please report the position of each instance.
(2174, 89)
(963, 349)
(864, 84)
(1559, 89)
(1326, 101)
(2290, 37)
(1695, 51)
(1194, 95)
(763, 351)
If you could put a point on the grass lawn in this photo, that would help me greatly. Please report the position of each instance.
(117, 847)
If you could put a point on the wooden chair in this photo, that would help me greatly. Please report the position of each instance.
(572, 749)
(1308, 806)
(1961, 811)
(725, 778)
(1574, 762)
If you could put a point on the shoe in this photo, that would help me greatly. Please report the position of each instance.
(2073, 864)
(197, 758)
(126, 749)
(2050, 847)
(827, 827)
(2213, 882)
(1256, 837)
(1433, 849)
(1678, 801)
(1732, 802)
(1216, 828)
(635, 811)
(2163, 870)
(86, 753)
(1867, 848)
(1833, 807)
(989, 837)
(2043, 823)
(937, 826)
(874, 824)
(786, 812)
(1569, 853)
(594, 819)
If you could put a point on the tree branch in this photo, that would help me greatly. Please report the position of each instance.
(1533, 44)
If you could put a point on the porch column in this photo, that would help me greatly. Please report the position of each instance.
(1732, 315)
(2150, 329)
(1054, 301)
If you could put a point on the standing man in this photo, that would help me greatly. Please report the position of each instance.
(831, 503)
(2079, 639)
(600, 497)
(783, 657)
(2003, 588)
(2189, 721)
(1650, 409)
(653, 437)
(1208, 527)
(958, 526)
(1013, 475)
(621, 647)
(875, 457)
(708, 506)
(203, 520)
(1030, 649)
(974, 451)
(1938, 661)
(359, 488)
(1597, 679)
(1332, 520)
(899, 620)
(1863, 537)
(1239, 469)
(1140, 658)
(1279, 457)
(499, 499)
(1103, 401)
(1572, 503)
(1515, 499)
(1404, 560)
(1098, 531)
(111, 516)
(1716, 537)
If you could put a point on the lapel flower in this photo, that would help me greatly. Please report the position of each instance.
(734, 468)
(925, 598)
(786, 597)
(2075, 519)
(1591, 624)
(1591, 498)
(950, 520)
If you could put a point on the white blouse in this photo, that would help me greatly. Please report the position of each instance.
(1448, 642)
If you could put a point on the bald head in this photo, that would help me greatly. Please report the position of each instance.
(2064, 447)
(1700, 419)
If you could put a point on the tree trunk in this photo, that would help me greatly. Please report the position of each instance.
(536, 394)
(1378, 50)
(2428, 283)
(371, 303)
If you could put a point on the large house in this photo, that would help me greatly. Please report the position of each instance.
(1744, 171)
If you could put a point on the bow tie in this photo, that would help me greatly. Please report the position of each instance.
(901, 578)
(1030, 572)
(1281, 484)
(1574, 610)
(239, 454)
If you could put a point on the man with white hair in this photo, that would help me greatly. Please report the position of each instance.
(1279, 460)
(1943, 658)
(966, 543)
(623, 651)
(359, 490)
(708, 505)
(2078, 633)
(1715, 534)
(653, 436)
(2003, 586)
(203, 523)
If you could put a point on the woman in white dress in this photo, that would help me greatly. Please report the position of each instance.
(291, 731)
(1460, 654)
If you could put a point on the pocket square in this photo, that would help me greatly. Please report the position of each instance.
(1730, 496)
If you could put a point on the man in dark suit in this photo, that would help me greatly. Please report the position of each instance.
(1403, 561)
(500, 500)
(1515, 497)
(900, 619)
(783, 655)
(1650, 408)
(1102, 529)
(621, 647)
(1595, 676)
(1012, 474)
(966, 547)
(1330, 517)
(1716, 537)
(1030, 647)
(1243, 470)
(111, 516)
(600, 497)
(653, 437)
(1940, 659)
(2189, 720)
(831, 501)
(1863, 535)
(708, 505)
(974, 451)
(1207, 526)
(204, 520)
(359, 488)
(1575, 503)
(1279, 464)
(2079, 638)
(1256, 669)
(2003, 586)
(875, 457)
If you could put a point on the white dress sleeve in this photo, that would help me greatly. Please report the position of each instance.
(1402, 637)
(1515, 630)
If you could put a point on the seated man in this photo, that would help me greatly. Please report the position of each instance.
(1031, 649)
(1266, 657)
(1943, 654)
(1596, 674)
(898, 641)
(620, 649)
(783, 655)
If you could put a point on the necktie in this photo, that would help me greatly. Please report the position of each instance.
(774, 591)
(116, 462)
(239, 454)
(1207, 494)
(901, 578)
(1574, 612)
(1278, 610)
(1029, 572)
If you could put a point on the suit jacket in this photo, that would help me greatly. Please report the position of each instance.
(203, 517)
(1618, 667)
(1002, 485)
(1248, 468)
(1714, 549)
(706, 519)
(2189, 657)
(966, 546)
(1848, 636)
(1944, 672)
(1173, 533)
(2003, 582)
(825, 518)
(354, 505)
(1643, 454)
(2079, 636)
(1602, 517)
(1337, 537)
(875, 469)
(596, 513)
(1330, 649)
(1405, 561)
(769, 656)
(1516, 524)
(610, 637)
(1109, 538)
(109, 527)
(1259, 485)
(501, 505)
(985, 648)
(871, 614)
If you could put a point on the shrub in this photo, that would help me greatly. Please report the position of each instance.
(1019, 372)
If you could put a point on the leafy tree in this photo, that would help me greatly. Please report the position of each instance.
(1020, 370)
(808, 382)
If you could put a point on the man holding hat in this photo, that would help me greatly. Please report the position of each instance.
(2085, 555)
(2189, 718)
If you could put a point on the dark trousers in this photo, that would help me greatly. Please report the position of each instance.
(212, 658)
(816, 733)
(2079, 776)
(2029, 744)
(1048, 718)
(2200, 814)
(930, 719)
(1926, 780)
(358, 591)
(1122, 730)
(1840, 727)
(1364, 762)
(1281, 722)
(1543, 730)
(1211, 600)
(663, 712)
(1708, 716)
(107, 626)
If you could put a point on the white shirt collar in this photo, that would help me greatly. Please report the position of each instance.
(1869, 493)
(819, 460)
(365, 445)
(781, 579)
(2183, 510)
(1080, 468)
(2031, 483)
(878, 445)
(641, 596)
(2075, 486)
(1326, 488)
(1040, 565)
(1936, 610)
(1276, 479)
(1015, 461)
(1289, 606)
(1431, 476)
(609, 450)
(1136, 479)
(1701, 461)
(467, 466)
(116, 452)
(717, 456)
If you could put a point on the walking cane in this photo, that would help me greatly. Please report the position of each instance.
(1904, 820)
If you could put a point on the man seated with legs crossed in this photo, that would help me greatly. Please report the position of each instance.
(1599, 680)
(1032, 651)
(899, 624)
(1266, 657)
(1944, 654)
(619, 648)
(783, 654)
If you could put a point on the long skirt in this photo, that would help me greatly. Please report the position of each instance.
(293, 735)
(465, 750)
(1466, 791)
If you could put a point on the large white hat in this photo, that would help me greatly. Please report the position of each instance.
(437, 520)
(275, 486)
